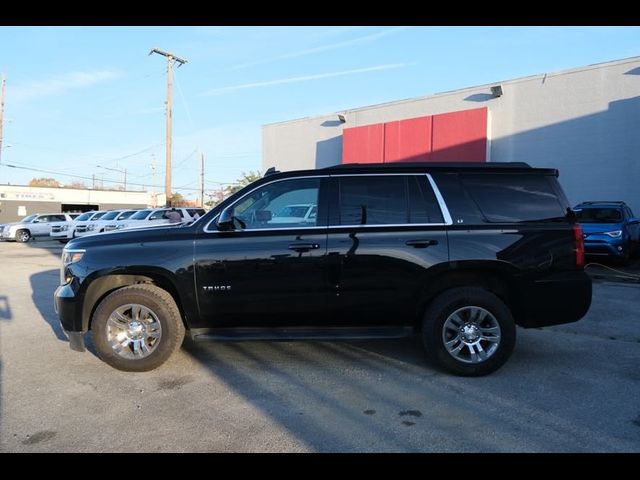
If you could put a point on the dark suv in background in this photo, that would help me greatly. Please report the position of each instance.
(610, 229)
(457, 253)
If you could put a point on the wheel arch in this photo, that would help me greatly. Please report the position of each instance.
(102, 286)
(494, 276)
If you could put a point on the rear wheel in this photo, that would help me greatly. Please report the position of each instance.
(23, 236)
(137, 328)
(468, 331)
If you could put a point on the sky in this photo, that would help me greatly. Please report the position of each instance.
(89, 101)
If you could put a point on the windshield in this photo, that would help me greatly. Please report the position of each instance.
(111, 215)
(126, 214)
(84, 216)
(29, 218)
(598, 215)
(140, 215)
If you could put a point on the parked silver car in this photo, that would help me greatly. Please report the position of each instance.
(36, 225)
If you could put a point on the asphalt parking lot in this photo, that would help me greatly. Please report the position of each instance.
(572, 388)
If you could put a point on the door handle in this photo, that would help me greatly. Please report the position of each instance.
(421, 243)
(303, 246)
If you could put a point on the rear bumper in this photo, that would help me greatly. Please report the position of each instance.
(554, 299)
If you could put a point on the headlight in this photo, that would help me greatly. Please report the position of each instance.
(90, 227)
(614, 234)
(118, 227)
(71, 256)
(64, 228)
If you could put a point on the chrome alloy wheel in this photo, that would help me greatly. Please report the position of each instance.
(471, 334)
(133, 331)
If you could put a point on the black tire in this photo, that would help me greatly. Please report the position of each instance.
(63, 241)
(161, 303)
(23, 236)
(450, 301)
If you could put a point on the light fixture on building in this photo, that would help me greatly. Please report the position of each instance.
(496, 91)
(341, 118)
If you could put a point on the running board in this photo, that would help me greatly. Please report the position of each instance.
(299, 333)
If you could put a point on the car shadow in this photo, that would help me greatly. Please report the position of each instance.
(43, 284)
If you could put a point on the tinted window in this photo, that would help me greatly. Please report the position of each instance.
(275, 205)
(374, 200)
(598, 215)
(99, 215)
(29, 218)
(58, 218)
(513, 198)
(423, 206)
(385, 200)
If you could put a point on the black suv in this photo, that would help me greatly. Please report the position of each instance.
(458, 253)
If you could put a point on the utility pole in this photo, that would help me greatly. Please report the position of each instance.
(201, 179)
(93, 180)
(153, 180)
(4, 81)
(171, 58)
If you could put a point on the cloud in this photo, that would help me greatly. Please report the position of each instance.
(320, 49)
(246, 86)
(58, 84)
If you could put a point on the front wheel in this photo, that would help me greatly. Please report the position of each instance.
(137, 328)
(23, 236)
(468, 331)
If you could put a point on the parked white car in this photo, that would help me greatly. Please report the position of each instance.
(118, 222)
(148, 217)
(298, 213)
(81, 227)
(97, 225)
(66, 231)
(36, 225)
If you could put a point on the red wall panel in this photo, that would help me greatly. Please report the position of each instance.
(448, 137)
(460, 136)
(407, 140)
(363, 144)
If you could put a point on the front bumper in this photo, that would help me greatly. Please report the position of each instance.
(66, 305)
(612, 247)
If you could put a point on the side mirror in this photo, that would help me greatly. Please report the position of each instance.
(225, 220)
(634, 221)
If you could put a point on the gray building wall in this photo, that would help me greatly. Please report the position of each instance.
(584, 121)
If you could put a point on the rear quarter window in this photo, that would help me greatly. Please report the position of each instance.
(514, 197)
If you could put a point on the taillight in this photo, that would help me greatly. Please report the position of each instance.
(579, 238)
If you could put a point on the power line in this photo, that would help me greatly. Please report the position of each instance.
(63, 174)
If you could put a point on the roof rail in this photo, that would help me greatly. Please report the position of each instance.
(613, 202)
(432, 164)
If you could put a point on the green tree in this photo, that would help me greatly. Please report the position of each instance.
(177, 200)
(243, 181)
(44, 182)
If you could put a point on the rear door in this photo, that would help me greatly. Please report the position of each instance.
(385, 232)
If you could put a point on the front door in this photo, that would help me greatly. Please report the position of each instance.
(385, 232)
(270, 270)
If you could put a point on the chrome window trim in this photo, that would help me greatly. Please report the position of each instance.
(441, 203)
(443, 206)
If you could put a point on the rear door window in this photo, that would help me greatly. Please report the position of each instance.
(387, 200)
(514, 198)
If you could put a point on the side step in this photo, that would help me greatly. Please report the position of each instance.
(299, 333)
